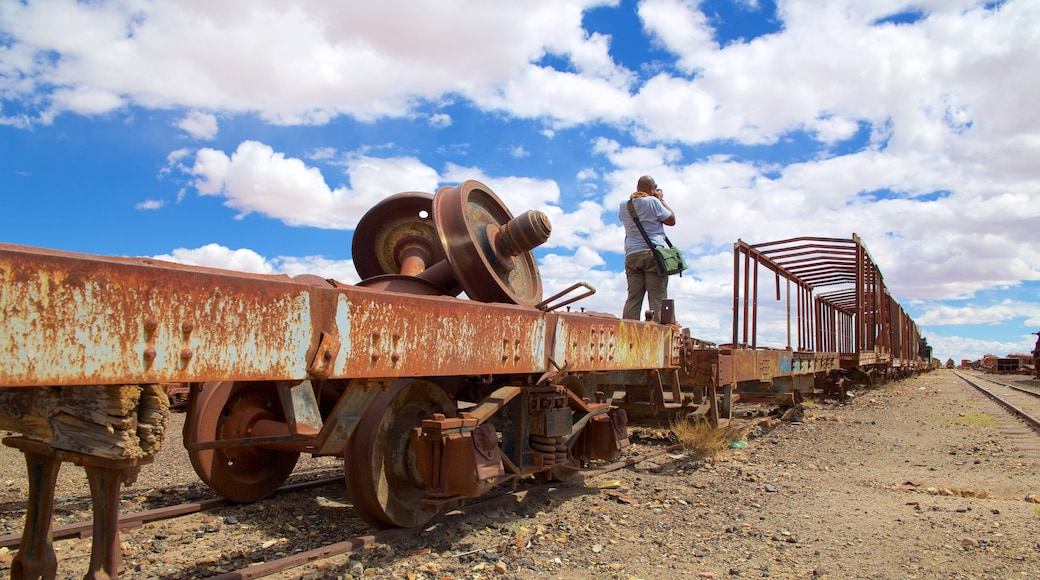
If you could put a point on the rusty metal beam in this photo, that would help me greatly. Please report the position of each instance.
(73, 319)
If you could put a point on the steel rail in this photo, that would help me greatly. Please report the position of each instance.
(1028, 419)
(1016, 387)
(132, 520)
(357, 542)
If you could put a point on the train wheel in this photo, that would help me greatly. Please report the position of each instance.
(227, 410)
(379, 464)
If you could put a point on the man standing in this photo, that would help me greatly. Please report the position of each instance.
(1036, 356)
(640, 269)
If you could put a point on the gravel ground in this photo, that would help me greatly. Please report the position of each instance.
(916, 479)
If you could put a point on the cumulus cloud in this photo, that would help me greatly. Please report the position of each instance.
(305, 63)
(199, 125)
(217, 256)
(249, 261)
(257, 179)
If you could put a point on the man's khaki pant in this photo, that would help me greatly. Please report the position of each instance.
(643, 279)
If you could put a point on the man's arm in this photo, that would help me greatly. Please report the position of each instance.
(670, 220)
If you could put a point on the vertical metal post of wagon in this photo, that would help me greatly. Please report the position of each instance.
(747, 259)
(736, 290)
(754, 307)
(858, 337)
(788, 305)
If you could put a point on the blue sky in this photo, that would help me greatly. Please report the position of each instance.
(253, 134)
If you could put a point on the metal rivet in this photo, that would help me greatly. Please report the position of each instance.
(149, 355)
(187, 327)
(186, 354)
(395, 357)
(150, 324)
(375, 356)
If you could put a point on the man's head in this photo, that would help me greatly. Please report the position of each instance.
(646, 184)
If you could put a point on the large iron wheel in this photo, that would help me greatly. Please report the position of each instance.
(379, 463)
(227, 410)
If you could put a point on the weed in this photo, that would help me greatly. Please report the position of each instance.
(974, 420)
(702, 441)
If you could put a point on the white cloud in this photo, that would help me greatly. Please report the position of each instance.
(440, 120)
(84, 100)
(217, 256)
(199, 125)
(150, 204)
(246, 260)
(304, 63)
(255, 178)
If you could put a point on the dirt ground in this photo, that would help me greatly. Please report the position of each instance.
(916, 479)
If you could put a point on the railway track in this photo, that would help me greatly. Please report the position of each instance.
(352, 543)
(1022, 403)
(130, 520)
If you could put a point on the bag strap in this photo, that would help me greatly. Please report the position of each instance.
(639, 224)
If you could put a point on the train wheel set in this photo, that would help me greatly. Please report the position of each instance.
(429, 398)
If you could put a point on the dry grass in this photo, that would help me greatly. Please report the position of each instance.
(704, 442)
(974, 420)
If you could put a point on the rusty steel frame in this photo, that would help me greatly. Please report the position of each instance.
(859, 316)
(838, 310)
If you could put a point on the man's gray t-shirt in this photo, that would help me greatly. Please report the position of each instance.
(650, 211)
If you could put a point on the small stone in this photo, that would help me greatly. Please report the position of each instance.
(1033, 498)
(500, 567)
(770, 488)
(969, 543)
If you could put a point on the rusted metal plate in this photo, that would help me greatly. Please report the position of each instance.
(74, 319)
(71, 319)
(389, 335)
(596, 342)
(741, 365)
